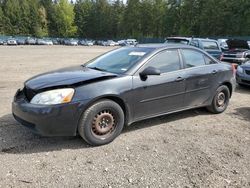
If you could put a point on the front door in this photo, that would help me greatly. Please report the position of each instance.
(159, 94)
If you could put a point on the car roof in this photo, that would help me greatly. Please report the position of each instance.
(203, 39)
(180, 38)
(163, 45)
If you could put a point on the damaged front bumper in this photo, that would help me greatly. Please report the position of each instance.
(47, 120)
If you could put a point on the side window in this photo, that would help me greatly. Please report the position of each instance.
(194, 43)
(193, 58)
(208, 60)
(166, 61)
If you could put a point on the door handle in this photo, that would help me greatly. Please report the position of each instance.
(214, 72)
(179, 79)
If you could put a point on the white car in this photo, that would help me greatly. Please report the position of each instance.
(11, 42)
(131, 41)
(223, 44)
(49, 42)
(110, 43)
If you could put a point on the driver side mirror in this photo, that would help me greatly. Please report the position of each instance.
(149, 71)
(248, 56)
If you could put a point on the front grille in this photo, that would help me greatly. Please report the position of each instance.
(247, 72)
(29, 93)
(229, 55)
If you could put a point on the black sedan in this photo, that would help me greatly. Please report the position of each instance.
(120, 87)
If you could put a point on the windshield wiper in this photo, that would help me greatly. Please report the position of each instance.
(97, 68)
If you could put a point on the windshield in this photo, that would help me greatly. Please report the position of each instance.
(120, 60)
(210, 45)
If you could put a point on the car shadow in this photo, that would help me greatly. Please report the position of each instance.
(242, 89)
(16, 139)
(243, 113)
(166, 119)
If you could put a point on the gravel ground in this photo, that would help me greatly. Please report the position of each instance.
(188, 149)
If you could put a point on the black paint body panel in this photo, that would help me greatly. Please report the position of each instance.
(140, 99)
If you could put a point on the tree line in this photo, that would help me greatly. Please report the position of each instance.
(116, 19)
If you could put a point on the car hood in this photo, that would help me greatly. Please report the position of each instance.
(246, 64)
(237, 44)
(66, 77)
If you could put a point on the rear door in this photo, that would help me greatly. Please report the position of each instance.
(199, 78)
(160, 93)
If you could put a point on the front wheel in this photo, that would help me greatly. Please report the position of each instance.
(101, 123)
(220, 100)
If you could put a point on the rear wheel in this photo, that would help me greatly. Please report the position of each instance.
(220, 100)
(101, 123)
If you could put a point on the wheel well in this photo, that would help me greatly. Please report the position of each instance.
(118, 101)
(230, 87)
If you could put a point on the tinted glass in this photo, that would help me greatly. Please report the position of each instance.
(209, 45)
(120, 60)
(166, 61)
(193, 58)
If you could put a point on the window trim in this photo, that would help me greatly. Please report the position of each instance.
(184, 60)
(206, 56)
(161, 51)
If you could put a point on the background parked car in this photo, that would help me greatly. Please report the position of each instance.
(48, 42)
(237, 52)
(1, 42)
(86, 42)
(71, 42)
(11, 41)
(30, 41)
(223, 44)
(132, 42)
(103, 43)
(55, 41)
(243, 73)
(41, 42)
(178, 40)
(21, 41)
(110, 43)
(209, 45)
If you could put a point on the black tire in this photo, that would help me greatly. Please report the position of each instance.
(220, 100)
(101, 123)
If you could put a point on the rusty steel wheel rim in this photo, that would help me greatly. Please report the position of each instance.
(221, 99)
(103, 124)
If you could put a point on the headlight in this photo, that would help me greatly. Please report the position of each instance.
(239, 69)
(57, 96)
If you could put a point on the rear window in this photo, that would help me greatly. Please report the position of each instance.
(210, 45)
(178, 41)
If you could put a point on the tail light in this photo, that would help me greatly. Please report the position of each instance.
(234, 68)
(221, 57)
